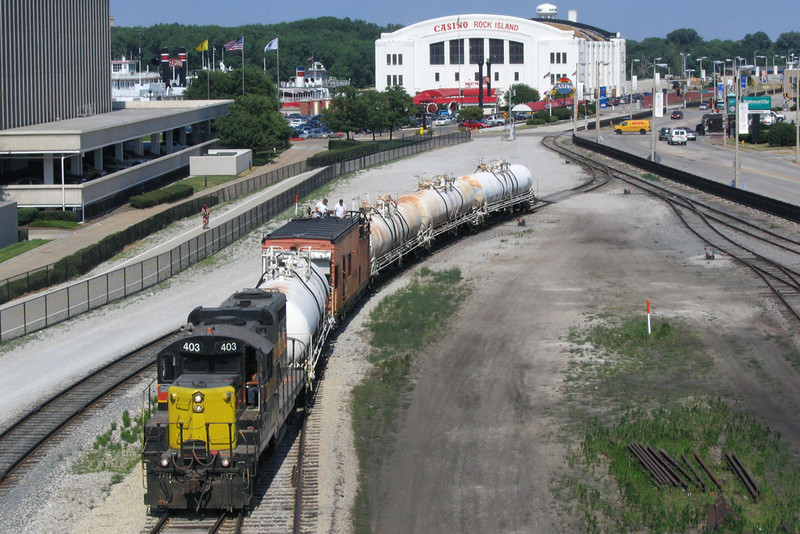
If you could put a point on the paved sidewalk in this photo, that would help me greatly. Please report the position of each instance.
(66, 243)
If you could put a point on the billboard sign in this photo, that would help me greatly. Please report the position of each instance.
(563, 86)
(758, 103)
(603, 99)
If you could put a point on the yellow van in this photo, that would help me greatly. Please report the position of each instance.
(640, 126)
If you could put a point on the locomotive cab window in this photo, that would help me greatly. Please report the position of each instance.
(167, 367)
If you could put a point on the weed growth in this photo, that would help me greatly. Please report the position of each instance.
(402, 325)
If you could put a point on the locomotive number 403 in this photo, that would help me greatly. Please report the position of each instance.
(191, 347)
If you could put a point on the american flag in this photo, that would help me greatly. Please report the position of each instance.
(238, 44)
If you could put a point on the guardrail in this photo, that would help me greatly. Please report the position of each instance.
(63, 303)
(768, 205)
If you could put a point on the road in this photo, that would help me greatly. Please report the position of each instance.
(771, 173)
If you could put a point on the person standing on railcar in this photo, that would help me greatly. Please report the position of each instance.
(340, 210)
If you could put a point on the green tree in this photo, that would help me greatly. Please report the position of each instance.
(220, 84)
(522, 94)
(342, 115)
(470, 113)
(253, 122)
(371, 110)
(684, 39)
(399, 105)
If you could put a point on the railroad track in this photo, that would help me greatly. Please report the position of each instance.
(773, 257)
(22, 444)
(210, 523)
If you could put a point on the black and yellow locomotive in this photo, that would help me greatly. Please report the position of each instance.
(225, 390)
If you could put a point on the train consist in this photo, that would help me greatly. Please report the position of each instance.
(227, 386)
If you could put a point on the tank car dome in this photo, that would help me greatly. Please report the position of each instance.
(546, 11)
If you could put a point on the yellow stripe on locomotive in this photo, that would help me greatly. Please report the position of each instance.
(206, 415)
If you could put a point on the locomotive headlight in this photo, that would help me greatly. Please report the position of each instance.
(226, 462)
(198, 408)
(198, 397)
(164, 462)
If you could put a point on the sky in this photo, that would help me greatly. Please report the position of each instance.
(637, 20)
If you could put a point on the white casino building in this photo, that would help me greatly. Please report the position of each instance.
(442, 60)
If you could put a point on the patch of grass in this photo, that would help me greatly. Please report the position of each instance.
(118, 450)
(620, 362)
(651, 177)
(199, 183)
(11, 251)
(709, 428)
(401, 325)
(69, 225)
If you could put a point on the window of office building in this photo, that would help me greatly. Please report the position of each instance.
(388, 80)
(552, 57)
(563, 57)
(497, 76)
(399, 59)
(458, 78)
(437, 53)
(394, 79)
(457, 51)
(516, 76)
(399, 79)
(516, 53)
(475, 51)
(436, 76)
(388, 59)
(496, 53)
(394, 59)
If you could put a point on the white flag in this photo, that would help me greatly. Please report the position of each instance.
(272, 45)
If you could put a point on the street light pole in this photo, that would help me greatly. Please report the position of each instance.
(736, 114)
(597, 100)
(653, 123)
(702, 76)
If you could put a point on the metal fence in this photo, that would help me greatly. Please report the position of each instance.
(772, 206)
(60, 304)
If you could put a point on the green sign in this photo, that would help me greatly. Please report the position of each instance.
(758, 103)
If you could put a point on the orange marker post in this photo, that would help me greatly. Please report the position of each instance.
(648, 316)
(296, 201)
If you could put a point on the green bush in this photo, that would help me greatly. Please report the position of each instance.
(168, 194)
(535, 122)
(552, 119)
(258, 162)
(541, 115)
(562, 113)
(781, 134)
(22, 234)
(26, 215)
(58, 215)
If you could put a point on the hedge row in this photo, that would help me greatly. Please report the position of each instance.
(162, 196)
(361, 149)
(26, 216)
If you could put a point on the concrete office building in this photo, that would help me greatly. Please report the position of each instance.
(449, 55)
(63, 143)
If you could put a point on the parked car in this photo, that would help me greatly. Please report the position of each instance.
(495, 120)
(442, 121)
(691, 135)
(663, 134)
(677, 136)
(677, 114)
(479, 124)
(704, 105)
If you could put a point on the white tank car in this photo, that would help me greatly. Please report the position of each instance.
(306, 290)
(440, 200)
(493, 184)
(392, 224)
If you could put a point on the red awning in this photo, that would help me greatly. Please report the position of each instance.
(445, 96)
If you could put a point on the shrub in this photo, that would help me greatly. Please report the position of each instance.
(258, 162)
(22, 234)
(541, 115)
(58, 215)
(562, 113)
(534, 122)
(168, 194)
(26, 215)
(782, 134)
(552, 119)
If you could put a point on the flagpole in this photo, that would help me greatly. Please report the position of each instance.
(242, 65)
(278, 74)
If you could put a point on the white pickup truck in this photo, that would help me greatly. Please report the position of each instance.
(768, 119)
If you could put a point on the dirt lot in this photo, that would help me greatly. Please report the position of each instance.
(482, 444)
